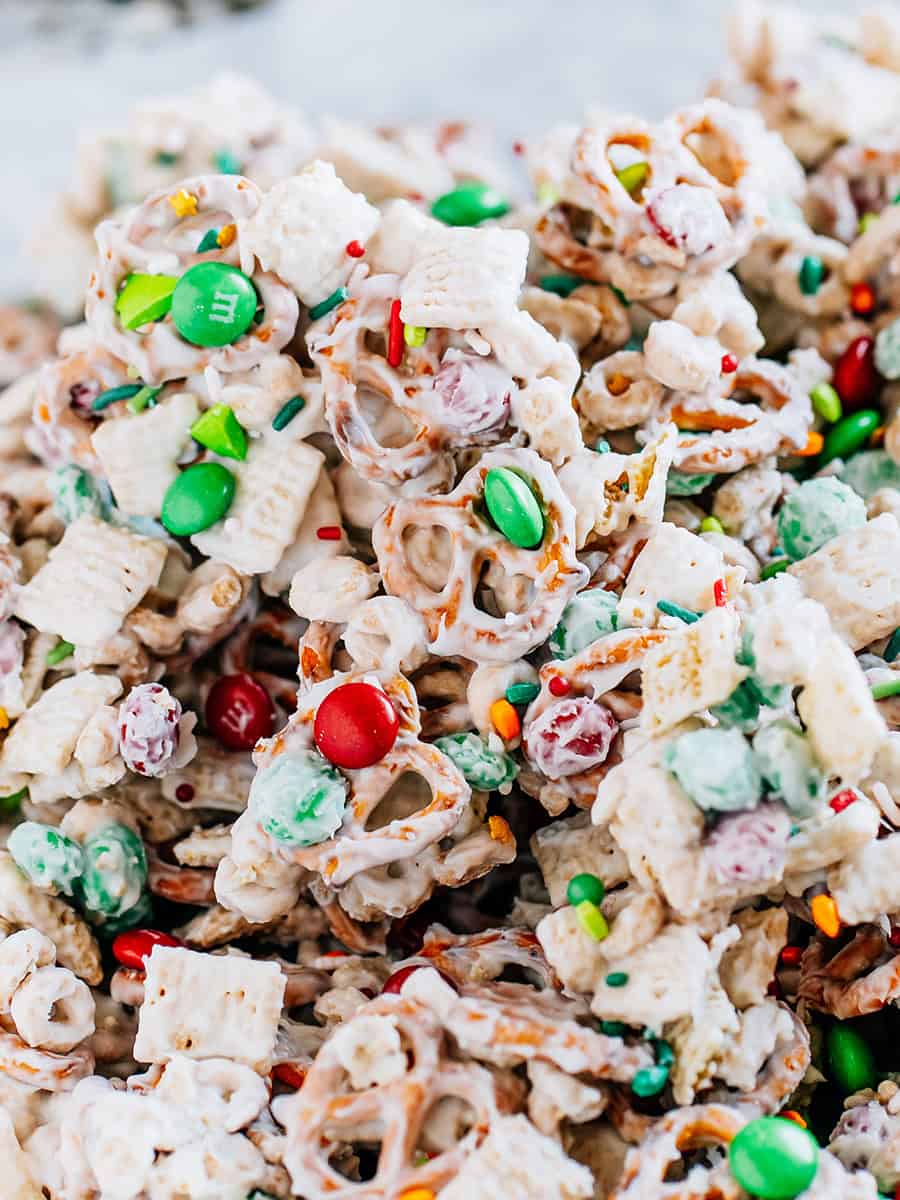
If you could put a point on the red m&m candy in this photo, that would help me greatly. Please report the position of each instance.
(239, 712)
(356, 725)
(131, 948)
(856, 378)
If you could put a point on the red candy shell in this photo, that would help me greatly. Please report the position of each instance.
(396, 981)
(239, 712)
(356, 725)
(856, 379)
(131, 948)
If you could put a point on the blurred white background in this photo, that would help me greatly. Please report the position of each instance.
(517, 64)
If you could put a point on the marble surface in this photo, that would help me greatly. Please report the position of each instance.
(519, 64)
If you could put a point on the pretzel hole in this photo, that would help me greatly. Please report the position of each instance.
(390, 426)
(498, 593)
(408, 794)
(428, 550)
(446, 1123)
(714, 153)
(625, 152)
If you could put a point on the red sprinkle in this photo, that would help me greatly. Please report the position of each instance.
(355, 249)
(843, 800)
(894, 936)
(729, 364)
(131, 948)
(559, 686)
(518, 147)
(720, 593)
(356, 726)
(862, 299)
(791, 955)
(329, 533)
(395, 336)
(290, 1073)
(335, 954)
(239, 712)
(396, 981)
(184, 792)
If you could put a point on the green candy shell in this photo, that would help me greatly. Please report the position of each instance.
(850, 1060)
(482, 768)
(773, 1158)
(213, 304)
(469, 205)
(513, 508)
(786, 764)
(51, 860)
(716, 768)
(870, 470)
(144, 298)
(849, 435)
(76, 493)
(200, 496)
(220, 431)
(299, 799)
(816, 512)
(115, 871)
(585, 888)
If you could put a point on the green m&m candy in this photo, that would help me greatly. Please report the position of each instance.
(773, 1158)
(46, 856)
(299, 798)
(213, 304)
(850, 1060)
(200, 496)
(115, 871)
(513, 508)
(145, 298)
(220, 431)
(585, 887)
(469, 205)
(816, 512)
(849, 434)
(482, 768)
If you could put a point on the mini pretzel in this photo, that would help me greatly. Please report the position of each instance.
(861, 978)
(153, 239)
(678, 1133)
(63, 395)
(443, 592)
(472, 958)
(739, 433)
(327, 1112)
(781, 1075)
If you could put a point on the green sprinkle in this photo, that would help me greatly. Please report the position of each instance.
(635, 342)
(325, 306)
(602, 446)
(522, 693)
(650, 1081)
(209, 241)
(867, 221)
(165, 158)
(226, 163)
(633, 177)
(621, 297)
(826, 402)
(11, 802)
(711, 525)
(142, 398)
(617, 979)
(592, 920)
(675, 610)
(105, 399)
(613, 1028)
(881, 691)
(560, 285)
(59, 652)
(893, 647)
(415, 335)
(811, 274)
(287, 412)
(774, 568)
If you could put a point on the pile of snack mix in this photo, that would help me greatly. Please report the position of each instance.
(450, 652)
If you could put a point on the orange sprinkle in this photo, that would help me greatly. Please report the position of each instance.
(814, 444)
(707, 420)
(505, 720)
(825, 914)
(184, 204)
(417, 1193)
(791, 1114)
(227, 234)
(618, 384)
(877, 437)
(499, 829)
(4, 724)
(44, 413)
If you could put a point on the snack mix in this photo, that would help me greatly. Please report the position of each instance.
(450, 652)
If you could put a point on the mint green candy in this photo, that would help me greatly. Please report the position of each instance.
(76, 493)
(482, 768)
(870, 470)
(200, 496)
(469, 204)
(789, 769)
(220, 431)
(849, 435)
(299, 799)
(680, 484)
(887, 350)
(51, 860)
(774, 1159)
(213, 304)
(588, 616)
(716, 768)
(115, 871)
(144, 298)
(513, 508)
(816, 512)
